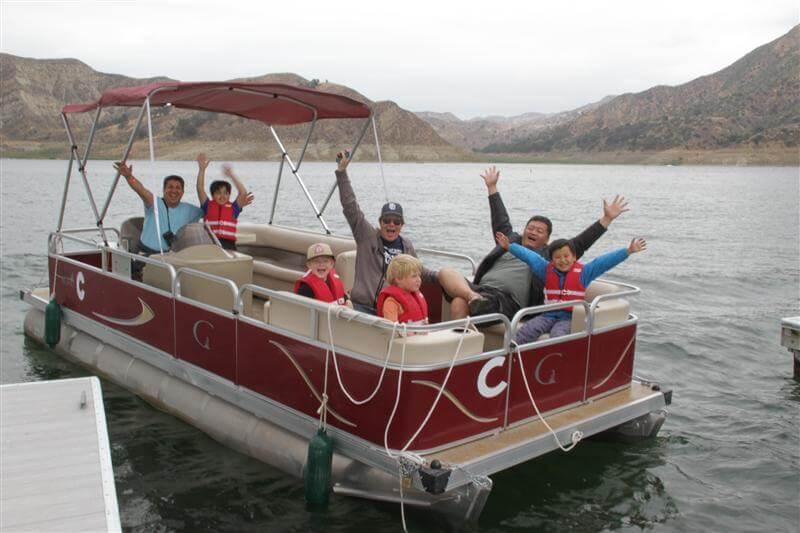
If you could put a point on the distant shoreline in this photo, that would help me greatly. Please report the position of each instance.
(767, 156)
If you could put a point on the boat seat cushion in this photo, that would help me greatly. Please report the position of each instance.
(346, 268)
(130, 231)
(279, 254)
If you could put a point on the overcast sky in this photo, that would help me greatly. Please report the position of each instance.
(470, 58)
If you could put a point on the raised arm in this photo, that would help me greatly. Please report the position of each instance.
(537, 263)
(602, 264)
(611, 211)
(499, 215)
(590, 235)
(243, 198)
(127, 172)
(347, 197)
(202, 165)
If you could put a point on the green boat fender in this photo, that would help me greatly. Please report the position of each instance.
(317, 476)
(52, 323)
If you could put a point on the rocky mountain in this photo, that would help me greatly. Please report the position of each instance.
(33, 91)
(477, 133)
(753, 103)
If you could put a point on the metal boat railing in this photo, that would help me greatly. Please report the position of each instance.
(631, 290)
(454, 255)
(363, 318)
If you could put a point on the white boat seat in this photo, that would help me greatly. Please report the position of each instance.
(435, 347)
(279, 254)
(612, 311)
(211, 259)
(346, 268)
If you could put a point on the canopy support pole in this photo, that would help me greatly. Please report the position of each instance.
(299, 162)
(72, 151)
(82, 170)
(277, 188)
(352, 155)
(308, 138)
(300, 181)
(380, 159)
(125, 155)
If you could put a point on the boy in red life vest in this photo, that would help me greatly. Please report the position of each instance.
(401, 300)
(321, 282)
(220, 213)
(564, 279)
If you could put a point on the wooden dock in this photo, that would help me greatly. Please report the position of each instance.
(55, 459)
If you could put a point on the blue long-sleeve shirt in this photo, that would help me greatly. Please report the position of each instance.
(591, 270)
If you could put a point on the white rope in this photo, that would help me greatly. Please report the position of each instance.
(410, 457)
(442, 387)
(576, 436)
(336, 364)
(380, 159)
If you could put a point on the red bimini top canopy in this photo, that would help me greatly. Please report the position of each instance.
(271, 103)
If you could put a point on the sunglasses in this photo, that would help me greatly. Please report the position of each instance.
(397, 221)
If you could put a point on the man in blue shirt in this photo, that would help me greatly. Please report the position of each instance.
(172, 213)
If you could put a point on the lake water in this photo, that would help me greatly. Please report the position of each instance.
(720, 272)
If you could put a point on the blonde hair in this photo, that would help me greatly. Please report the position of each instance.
(402, 266)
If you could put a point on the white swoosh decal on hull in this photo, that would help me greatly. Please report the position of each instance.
(449, 395)
(621, 357)
(310, 385)
(144, 317)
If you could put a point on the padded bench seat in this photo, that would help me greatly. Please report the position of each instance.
(279, 254)
(433, 348)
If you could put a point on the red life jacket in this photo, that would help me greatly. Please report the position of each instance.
(415, 308)
(221, 220)
(329, 290)
(573, 288)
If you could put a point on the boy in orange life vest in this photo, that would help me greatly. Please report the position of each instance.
(564, 279)
(220, 214)
(321, 282)
(401, 300)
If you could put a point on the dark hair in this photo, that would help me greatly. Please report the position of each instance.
(173, 177)
(220, 184)
(544, 220)
(559, 244)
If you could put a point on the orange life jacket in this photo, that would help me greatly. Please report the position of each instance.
(329, 290)
(415, 308)
(573, 288)
(221, 220)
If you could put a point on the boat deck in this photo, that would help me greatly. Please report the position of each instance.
(55, 458)
(526, 441)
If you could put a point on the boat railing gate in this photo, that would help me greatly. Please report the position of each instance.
(55, 243)
(55, 238)
(527, 311)
(346, 313)
(106, 252)
(454, 255)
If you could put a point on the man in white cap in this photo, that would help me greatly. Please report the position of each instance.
(376, 247)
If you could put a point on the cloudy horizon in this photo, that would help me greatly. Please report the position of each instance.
(464, 58)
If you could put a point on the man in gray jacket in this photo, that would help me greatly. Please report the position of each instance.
(376, 247)
(507, 284)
